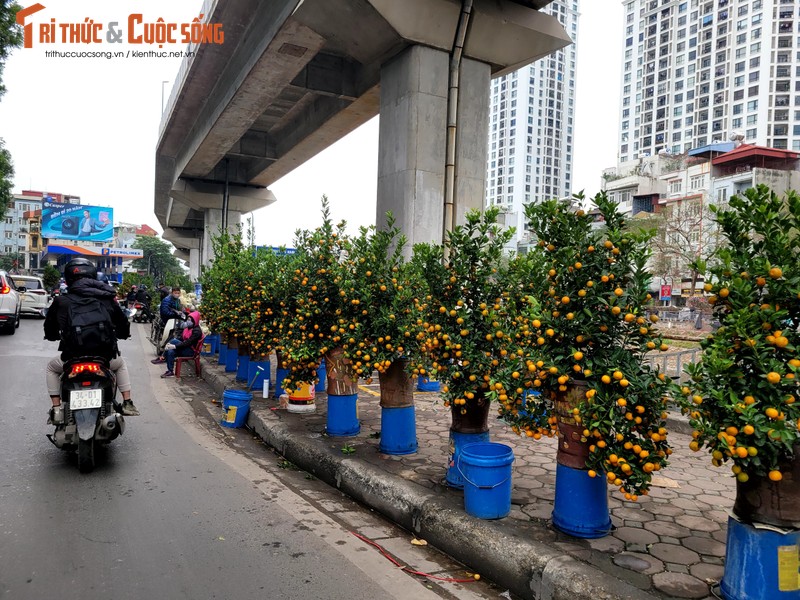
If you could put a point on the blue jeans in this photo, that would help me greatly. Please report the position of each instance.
(171, 355)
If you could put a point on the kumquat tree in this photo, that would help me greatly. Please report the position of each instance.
(226, 297)
(742, 399)
(318, 306)
(461, 322)
(584, 348)
(379, 283)
(272, 285)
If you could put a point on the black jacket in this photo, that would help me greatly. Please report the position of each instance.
(58, 314)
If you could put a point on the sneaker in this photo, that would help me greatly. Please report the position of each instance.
(129, 409)
(168, 374)
(159, 360)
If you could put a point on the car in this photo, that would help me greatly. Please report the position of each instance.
(35, 298)
(10, 303)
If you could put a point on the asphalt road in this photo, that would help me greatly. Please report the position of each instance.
(179, 508)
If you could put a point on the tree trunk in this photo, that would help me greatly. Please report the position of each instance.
(475, 418)
(761, 500)
(573, 449)
(232, 342)
(244, 349)
(342, 380)
(397, 388)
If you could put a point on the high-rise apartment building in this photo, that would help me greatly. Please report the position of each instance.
(531, 128)
(695, 71)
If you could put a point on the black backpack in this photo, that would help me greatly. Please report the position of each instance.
(90, 331)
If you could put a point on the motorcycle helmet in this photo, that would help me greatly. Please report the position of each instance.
(79, 268)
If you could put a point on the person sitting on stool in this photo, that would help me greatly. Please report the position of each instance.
(183, 347)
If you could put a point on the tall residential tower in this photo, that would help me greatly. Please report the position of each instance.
(696, 71)
(531, 128)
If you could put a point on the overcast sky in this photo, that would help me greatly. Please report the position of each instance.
(89, 126)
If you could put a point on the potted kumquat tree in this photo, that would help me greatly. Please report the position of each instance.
(461, 324)
(742, 398)
(588, 333)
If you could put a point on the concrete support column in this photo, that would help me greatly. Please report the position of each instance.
(413, 129)
(212, 227)
(194, 264)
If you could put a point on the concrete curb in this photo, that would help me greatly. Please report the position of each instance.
(529, 568)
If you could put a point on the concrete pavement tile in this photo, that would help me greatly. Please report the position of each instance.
(707, 572)
(689, 503)
(676, 568)
(716, 502)
(641, 563)
(680, 585)
(673, 553)
(538, 511)
(697, 523)
(670, 529)
(705, 546)
(721, 535)
(631, 535)
(607, 545)
(631, 514)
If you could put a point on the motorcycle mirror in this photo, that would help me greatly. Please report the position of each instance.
(44, 311)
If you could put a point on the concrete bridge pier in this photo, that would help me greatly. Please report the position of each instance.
(413, 136)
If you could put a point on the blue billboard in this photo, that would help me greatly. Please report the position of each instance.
(77, 222)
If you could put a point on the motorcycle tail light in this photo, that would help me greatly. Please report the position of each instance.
(79, 368)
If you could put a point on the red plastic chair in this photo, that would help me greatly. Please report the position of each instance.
(195, 358)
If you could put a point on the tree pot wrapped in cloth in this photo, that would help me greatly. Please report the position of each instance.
(232, 355)
(342, 419)
(223, 349)
(581, 502)
(763, 544)
(468, 426)
(398, 419)
(243, 364)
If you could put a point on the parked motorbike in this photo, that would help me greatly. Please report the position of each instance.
(89, 416)
(161, 333)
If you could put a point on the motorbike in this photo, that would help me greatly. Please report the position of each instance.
(90, 415)
(141, 313)
(161, 333)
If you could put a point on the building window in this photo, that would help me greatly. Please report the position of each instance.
(696, 182)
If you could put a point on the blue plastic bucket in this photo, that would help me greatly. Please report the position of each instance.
(243, 368)
(581, 503)
(231, 360)
(280, 375)
(427, 385)
(343, 416)
(212, 339)
(398, 431)
(236, 405)
(760, 564)
(223, 353)
(457, 442)
(486, 469)
(255, 378)
(322, 373)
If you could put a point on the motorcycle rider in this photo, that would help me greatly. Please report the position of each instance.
(131, 297)
(80, 276)
(144, 298)
(170, 309)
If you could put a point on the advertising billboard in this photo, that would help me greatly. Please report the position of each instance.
(77, 222)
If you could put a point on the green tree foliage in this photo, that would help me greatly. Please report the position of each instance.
(51, 276)
(10, 34)
(10, 38)
(6, 176)
(12, 261)
(157, 260)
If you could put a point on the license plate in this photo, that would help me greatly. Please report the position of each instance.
(80, 399)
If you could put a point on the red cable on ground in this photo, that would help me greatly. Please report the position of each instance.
(407, 569)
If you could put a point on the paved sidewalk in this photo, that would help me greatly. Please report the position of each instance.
(670, 544)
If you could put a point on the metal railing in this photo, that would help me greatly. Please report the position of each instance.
(673, 363)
